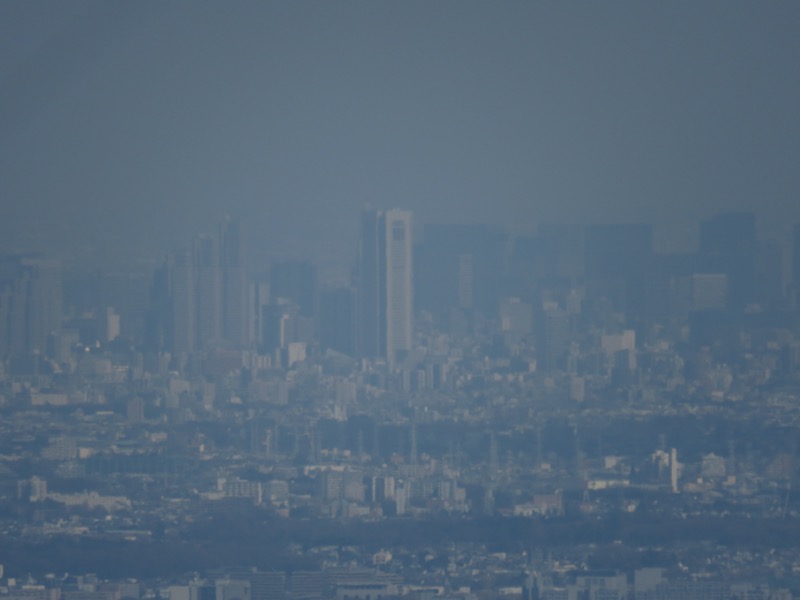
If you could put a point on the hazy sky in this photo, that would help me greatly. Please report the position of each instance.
(126, 127)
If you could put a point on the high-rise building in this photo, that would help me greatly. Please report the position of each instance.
(206, 292)
(385, 285)
(30, 303)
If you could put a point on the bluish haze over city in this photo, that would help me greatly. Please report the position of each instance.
(399, 300)
(125, 126)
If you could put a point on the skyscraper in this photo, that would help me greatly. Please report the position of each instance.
(385, 285)
(30, 303)
(207, 293)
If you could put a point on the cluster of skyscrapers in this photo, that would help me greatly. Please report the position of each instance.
(456, 278)
(201, 298)
(30, 304)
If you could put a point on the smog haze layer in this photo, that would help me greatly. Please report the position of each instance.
(126, 127)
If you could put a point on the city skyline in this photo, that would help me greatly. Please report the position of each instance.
(573, 385)
(401, 300)
(204, 297)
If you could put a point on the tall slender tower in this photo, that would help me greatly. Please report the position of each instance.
(385, 284)
(399, 284)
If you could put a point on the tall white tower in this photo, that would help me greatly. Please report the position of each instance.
(399, 284)
(385, 285)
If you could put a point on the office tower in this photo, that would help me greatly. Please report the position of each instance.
(385, 284)
(206, 293)
(399, 284)
(728, 245)
(30, 304)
